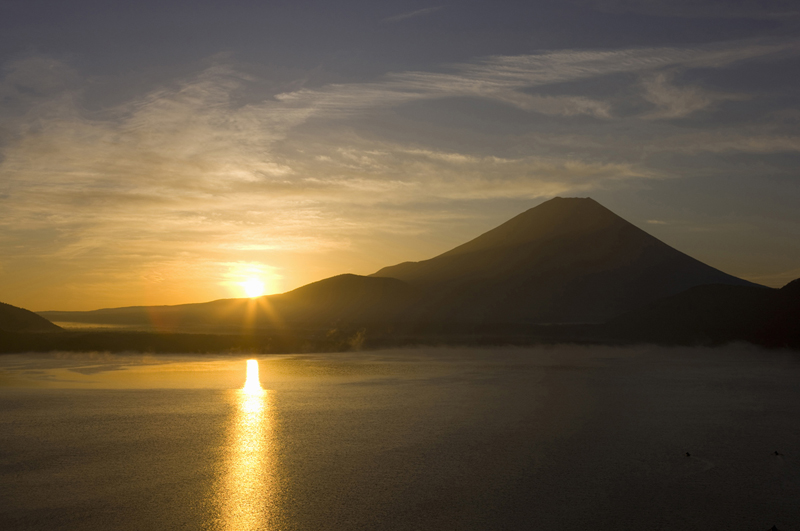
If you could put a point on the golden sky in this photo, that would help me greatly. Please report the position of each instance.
(131, 174)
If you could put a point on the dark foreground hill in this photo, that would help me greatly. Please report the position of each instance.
(715, 314)
(568, 260)
(13, 319)
(703, 315)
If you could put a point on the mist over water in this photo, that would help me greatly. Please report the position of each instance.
(563, 437)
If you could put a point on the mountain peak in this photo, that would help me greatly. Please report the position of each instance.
(565, 260)
(557, 217)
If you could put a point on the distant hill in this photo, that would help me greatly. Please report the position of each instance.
(718, 314)
(13, 319)
(567, 260)
(340, 300)
(564, 261)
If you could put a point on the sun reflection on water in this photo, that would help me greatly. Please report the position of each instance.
(248, 491)
(252, 385)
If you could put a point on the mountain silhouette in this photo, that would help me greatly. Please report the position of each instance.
(567, 260)
(14, 319)
(714, 314)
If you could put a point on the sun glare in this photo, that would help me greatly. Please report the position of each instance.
(253, 287)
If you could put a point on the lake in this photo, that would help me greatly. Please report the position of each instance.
(565, 437)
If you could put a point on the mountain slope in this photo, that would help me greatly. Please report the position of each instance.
(13, 319)
(566, 260)
(718, 313)
(343, 299)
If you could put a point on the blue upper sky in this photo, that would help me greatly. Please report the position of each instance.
(166, 152)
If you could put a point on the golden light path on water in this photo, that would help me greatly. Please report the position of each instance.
(248, 492)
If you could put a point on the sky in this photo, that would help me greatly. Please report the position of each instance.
(173, 152)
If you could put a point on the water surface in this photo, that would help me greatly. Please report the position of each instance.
(562, 438)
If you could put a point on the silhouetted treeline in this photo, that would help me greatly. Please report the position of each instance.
(344, 339)
(120, 341)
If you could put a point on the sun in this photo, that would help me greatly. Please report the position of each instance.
(253, 287)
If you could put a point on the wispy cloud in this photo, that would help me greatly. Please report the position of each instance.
(184, 148)
(674, 101)
(743, 139)
(413, 14)
(555, 105)
(504, 77)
